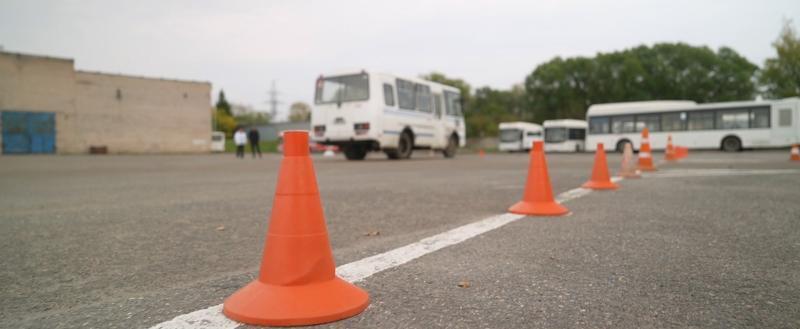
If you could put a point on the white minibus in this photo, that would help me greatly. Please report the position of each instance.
(518, 136)
(365, 111)
(565, 135)
(728, 126)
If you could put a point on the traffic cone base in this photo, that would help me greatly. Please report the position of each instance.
(647, 168)
(600, 185)
(271, 305)
(538, 209)
(795, 153)
(634, 175)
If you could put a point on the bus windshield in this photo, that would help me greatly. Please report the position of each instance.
(510, 135)
(346, 88)
(555, 135)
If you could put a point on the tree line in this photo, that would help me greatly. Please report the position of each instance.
(565, 87)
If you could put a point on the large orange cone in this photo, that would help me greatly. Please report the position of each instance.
(628, 168)
(670, 152)
(681, 152)
(601, 179)
(297, 284)
(538, 197)
(645, 155)
(795, 153)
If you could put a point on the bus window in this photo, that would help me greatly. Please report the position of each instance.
(785, 118)
(405, 94)
(452, 103)
(598, 125)
(577, 134)
(622, 124)
(673, 121)
(533, 134)
(732, 119)
(347, 88)
(651, 121)
(437, 105)
(510, 135)
(555, 135)
(701, 120)
(423, 97)
(388, 94)
(759, 118)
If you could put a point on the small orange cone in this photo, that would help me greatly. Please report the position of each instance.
(538, 197)
(297, 283)
(481, 153)
(795, 153)
(628, 168)
(601, 179)
(645, 155)
(670, 153)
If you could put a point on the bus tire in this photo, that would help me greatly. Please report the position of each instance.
(355, 152)
(731, 144)
(621, 145)
(405, 145)
(452, 146)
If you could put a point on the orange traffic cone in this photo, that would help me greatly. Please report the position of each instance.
(481, 153)
(601, 179)
(669, 152)
(538, 197)
(681, 152)
(645, 156)
(795, 153)
(628, 168)
(297, 283)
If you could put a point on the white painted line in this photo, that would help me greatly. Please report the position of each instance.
(718, 172)
(212, 317)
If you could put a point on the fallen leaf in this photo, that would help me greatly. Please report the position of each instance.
(221, 228)
(373, 233)
(464, 284)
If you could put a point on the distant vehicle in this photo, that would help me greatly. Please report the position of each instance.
(566, 135)
(729, 126)
(217, 141)
(518, 136)
(365, 111)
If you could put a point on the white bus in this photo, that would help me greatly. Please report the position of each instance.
(518, 136)
(729, 126)
(565, 135)
(366, 111)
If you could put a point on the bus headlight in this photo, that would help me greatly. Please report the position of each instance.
(361, 128)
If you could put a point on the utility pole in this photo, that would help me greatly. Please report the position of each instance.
(273, 101)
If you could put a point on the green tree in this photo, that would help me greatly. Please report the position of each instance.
(781, 75)
(222, 103)
(224, 122)
(299, 112)
(252, 119)
(565, 88)
(466, 90)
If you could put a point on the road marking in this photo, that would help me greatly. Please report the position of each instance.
(212, 317)
(718, 172)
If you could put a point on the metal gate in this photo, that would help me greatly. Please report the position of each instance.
(28, 132)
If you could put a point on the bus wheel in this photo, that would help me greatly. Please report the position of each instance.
(621, 145)
(405, 145)
(731, 144)
(452, 146)
(355, 152)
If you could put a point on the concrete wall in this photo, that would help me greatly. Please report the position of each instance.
(41, 84)
(124, 113)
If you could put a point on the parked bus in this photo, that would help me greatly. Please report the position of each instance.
(365, 111)
(729, 126)
(566, 135)
(518, 136)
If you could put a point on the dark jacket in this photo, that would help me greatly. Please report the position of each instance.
(253, 136)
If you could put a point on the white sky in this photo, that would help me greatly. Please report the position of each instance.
(241, 46)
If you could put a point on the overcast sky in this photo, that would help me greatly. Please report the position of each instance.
(241, 46)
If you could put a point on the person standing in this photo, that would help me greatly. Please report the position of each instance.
(240, 138)
(254, 137)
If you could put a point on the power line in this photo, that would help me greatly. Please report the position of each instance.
(273, 100)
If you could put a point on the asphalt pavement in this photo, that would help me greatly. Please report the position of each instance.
(133, 241)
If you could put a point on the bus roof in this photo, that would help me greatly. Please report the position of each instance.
(569, 123)
(637, 107)
(412, 79)
(520, 125)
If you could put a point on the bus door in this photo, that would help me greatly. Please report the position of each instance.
(440, 137)
(786, 128)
